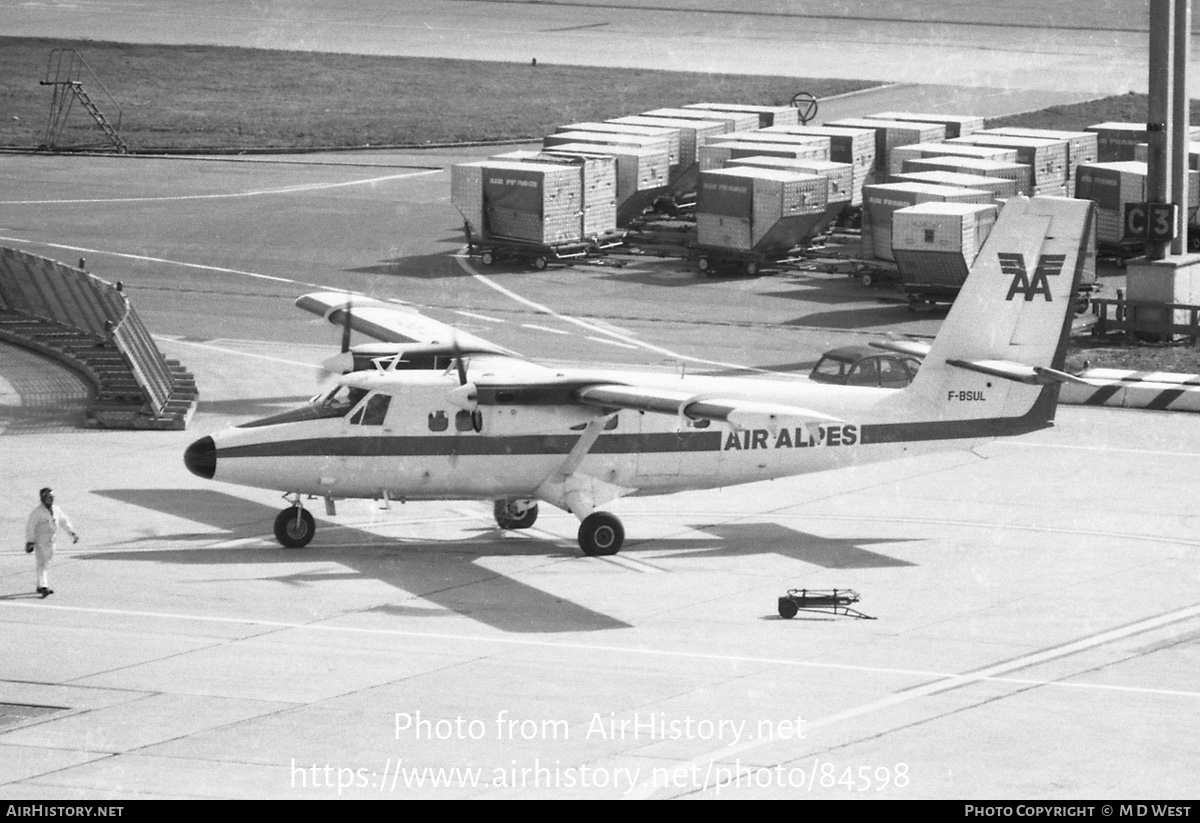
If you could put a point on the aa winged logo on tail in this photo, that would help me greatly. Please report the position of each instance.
(1048, 265)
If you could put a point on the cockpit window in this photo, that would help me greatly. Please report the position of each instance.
(338, 401)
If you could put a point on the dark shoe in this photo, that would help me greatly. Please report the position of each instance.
(44, 592)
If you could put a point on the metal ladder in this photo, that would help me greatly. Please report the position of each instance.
(63, 72)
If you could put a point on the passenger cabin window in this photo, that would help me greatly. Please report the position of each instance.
(438, 422)
(465, 421)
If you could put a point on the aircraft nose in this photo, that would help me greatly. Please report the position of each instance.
(201, 458)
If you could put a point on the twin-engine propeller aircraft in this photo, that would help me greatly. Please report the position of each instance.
(436, 414)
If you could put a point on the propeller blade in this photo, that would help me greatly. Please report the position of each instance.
(347, 316)
(462, 367)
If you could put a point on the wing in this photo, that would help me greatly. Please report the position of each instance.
(739, 413)
(496, 376)
(392, 322)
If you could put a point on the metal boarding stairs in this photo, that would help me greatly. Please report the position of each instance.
(63, 71)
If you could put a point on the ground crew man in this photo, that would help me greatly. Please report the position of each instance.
(40, 532)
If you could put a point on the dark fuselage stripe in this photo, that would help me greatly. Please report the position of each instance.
(532, 444)
(474, 444)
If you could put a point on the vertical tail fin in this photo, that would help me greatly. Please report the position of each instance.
(1000, 352)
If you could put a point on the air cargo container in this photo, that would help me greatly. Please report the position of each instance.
(838, 175)
(671, 136)
(642, 174)
(1047, 159)
(1016, 172)
(1000, 187)
(1115, 142)
(749, 215)
(611, 138)
(1082, 146)
(766, 136)
(918, 151)
(1111, 186)
(536, 203)
(846, 145)
(737, 121)
(714, 155)
(599, 186)
(935, 244)
(881, 201)
(892, 133)
(957, 125)
(767, 115)
(692, 133)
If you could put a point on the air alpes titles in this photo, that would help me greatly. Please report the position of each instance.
(800, 437)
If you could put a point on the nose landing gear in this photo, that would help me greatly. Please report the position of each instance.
(295, 527)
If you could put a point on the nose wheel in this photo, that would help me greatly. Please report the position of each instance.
(601, 534)
(294, 527)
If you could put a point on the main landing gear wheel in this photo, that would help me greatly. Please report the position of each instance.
(601, 534)
(508, 516)
(294, 528)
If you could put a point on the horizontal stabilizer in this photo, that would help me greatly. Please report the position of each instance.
(1017, 372)
(912, 347)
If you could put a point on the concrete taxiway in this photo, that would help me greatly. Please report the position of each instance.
(1036, 601)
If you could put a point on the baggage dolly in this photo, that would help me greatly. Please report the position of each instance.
(537, 255)
(823, 601)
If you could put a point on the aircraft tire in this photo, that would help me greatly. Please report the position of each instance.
(294, 532)
(601, 534)
(506, 520)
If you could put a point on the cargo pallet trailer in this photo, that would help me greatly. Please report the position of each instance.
(540, 255)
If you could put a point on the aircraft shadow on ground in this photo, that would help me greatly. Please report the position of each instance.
(744, 539)
(877, 317)
(450, 579)
(424, 266)
(816, 291)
